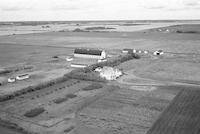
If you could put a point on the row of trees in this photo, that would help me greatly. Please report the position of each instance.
(81, 74)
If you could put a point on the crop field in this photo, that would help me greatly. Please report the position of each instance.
(182, 116)
(40, 109)
(88, 107)
(124, 111)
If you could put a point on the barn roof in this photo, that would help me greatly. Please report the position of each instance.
(88, 51)
(126, 49)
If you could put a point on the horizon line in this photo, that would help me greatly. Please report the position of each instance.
(101, 20)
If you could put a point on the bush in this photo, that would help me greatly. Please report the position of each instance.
(60, 100)
(98, 28)
(69, 129)
(67, 97)
(33, 88)
(189, 32)
(78, 30)
(34, 112)
(70, 96)
(55, 57)
(92, 87)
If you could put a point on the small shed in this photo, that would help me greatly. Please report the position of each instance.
(76, 65)
(127, 50)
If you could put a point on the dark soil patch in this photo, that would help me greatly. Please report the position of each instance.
(67, 97)
(69, 129)
(182, 116)
(34, 112)
(93, 87)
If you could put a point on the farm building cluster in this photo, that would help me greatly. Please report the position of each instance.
(83, 57)
(157, 52)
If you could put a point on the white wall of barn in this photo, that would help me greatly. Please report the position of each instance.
(88, 56)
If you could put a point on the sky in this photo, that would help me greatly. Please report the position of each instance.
(55, 10)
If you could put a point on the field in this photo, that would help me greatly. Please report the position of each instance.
(124, 111)
(182, 116)
(111, 108)
(134, 103)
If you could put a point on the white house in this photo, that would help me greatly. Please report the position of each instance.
(110, 73)
(90, 53)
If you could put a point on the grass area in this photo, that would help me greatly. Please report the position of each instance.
(182, 116)
(92, 87)
(8, 127)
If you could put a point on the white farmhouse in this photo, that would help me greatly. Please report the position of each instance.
(89, 53)
(110, 73)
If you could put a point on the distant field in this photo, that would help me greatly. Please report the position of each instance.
(182, 116)
(186, 28)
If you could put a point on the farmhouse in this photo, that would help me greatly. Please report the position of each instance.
(110, 73)
(89, 53)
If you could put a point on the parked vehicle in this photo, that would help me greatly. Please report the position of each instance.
(22, 77)
(69, 59)
(158, 52)
(11, 80)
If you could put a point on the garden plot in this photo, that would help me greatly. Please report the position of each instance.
(53, 107)
(125, 111)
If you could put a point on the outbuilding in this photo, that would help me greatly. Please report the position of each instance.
(158, 52)
(89, 53)
(76, 65)
(127, 50)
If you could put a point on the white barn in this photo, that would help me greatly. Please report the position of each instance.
(89, 53)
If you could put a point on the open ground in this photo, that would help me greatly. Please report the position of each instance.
(131, 104)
